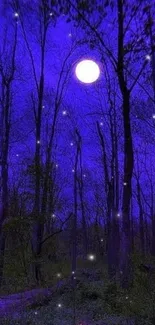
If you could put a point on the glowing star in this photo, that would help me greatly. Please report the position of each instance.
(64, 113)
(36, 313)
(56, 165)
(101, 123)
(87, 71)
(17, 155)
(73, 171)
(148, 57)
(91, 257)
(118, 215)
(51, 14)
(58, 275)
(16, 14)
(59, 305)
(101, 239)
(53, 215)
(153, 116)
(73, 272)
(38, 141)
(84, 175)
(71, 144)
(70, 35)
(125, 184)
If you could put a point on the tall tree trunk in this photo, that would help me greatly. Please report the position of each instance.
(141, 221)
(81, 195)
(127, 189)
(38, 225)
(7, 76)
(128, 156)
(74, 227)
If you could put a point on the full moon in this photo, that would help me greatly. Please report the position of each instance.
(87, 71)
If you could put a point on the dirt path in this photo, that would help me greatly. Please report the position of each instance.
(18, 302)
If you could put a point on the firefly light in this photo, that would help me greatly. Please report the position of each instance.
(148, 57)
(91, 257)
(58, 275)
(87, 71)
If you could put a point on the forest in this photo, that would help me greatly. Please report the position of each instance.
(77, 162)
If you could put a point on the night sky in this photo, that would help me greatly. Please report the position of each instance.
(84, 104)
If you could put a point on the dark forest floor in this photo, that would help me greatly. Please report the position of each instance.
(97, 302)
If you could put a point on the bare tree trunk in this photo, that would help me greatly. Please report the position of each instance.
(141, 221)
(150, 19)
(74, 229)
(7, 76)
(81, 194)
(128, 156)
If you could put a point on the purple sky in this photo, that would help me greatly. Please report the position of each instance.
(85, 104)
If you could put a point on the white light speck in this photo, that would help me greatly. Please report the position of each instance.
(126, 297)
(125, 184)
(38, 141)
(56, 165)
(51, 14)
(84, 175)
(16, 14)
(101, 123)
(59, 305)
(64, 113)
(71, 144)
(36, 313)
(118, 215)
(101, 239)
(153, 116)
(91, 257)
(73, 171)
(148, 57)
(17, 155)
(73, 272)
(70, 34)
(58, 275)
(53, 215)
